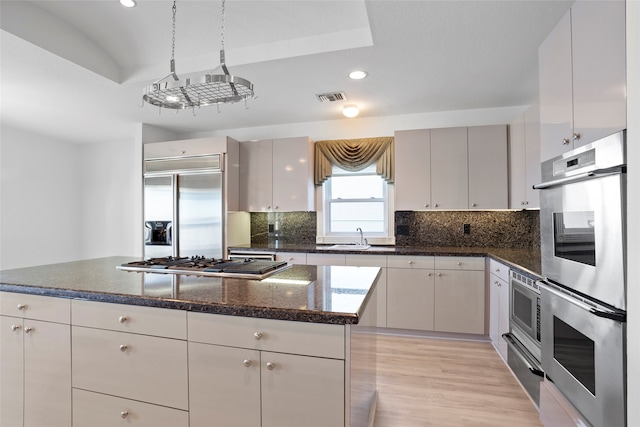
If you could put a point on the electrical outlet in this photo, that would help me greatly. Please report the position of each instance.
(466, 228)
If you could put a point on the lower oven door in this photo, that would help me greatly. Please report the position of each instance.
(583, 353)
(525, 367)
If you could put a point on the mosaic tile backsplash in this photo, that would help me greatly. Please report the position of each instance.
(500, 229)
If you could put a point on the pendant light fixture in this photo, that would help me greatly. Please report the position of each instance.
(209, 89)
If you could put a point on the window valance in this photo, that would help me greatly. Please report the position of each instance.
(354, 155)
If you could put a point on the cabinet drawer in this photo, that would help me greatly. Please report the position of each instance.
(37, 307)
(459, 263)
(366, 260)
(325, 259)
(99, 410)
(130, 318)
(139, 367)
(410, 261)
(498, 269)
(312, 339)
(292, 257)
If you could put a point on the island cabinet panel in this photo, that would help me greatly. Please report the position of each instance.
(292, 258)
(35, 307)
(101, 410)
(380, 296)
(315, 258)
(313, 339)
(302, 391)
(35, 363)
(130, 318)
(146, 368)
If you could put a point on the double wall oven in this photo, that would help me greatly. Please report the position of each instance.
(583, 296)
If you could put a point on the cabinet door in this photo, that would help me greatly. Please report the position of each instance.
(292, 257)
(301, 391)
(413, 170)
(293, 175)
(47, 374)
(11, 371)
(488, 177)
(449, 170)
(532, 155)
(314, 258)
(599, 69)
(381, 287)
(224, 386)
(556, 95)
(410, 299)
(255, 175)
(517, 163)
(498, 313)
(459, 297)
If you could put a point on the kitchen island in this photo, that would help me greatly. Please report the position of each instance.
(292, 349)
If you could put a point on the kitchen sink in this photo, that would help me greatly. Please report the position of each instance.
(349, 247)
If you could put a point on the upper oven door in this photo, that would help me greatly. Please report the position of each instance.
(583, 353)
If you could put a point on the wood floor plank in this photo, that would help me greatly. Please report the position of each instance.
(443, 382)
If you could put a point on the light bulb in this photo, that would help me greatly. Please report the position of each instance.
(350, 110)
(128, 3)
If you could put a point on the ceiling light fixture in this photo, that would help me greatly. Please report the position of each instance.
(357, 75)
(128, 3)
(210, 89)
(350, 110)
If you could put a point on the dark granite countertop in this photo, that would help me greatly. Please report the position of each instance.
(318, 294)
(526, 261)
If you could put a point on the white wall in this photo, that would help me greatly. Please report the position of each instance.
(40, 192)
(633, 212)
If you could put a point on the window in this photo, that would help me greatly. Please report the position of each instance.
(355, 200)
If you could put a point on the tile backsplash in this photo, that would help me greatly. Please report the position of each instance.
(514, 229)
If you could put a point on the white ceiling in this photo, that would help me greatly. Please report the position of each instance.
(76, 70)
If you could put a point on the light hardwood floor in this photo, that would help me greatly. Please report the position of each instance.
(445, 382)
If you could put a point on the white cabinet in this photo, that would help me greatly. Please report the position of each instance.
(292, 257)
(488, 164)
(459, 295)
(277, 175)
(498, 305)
(316, 258)
(35, 361)
(380, 293)
(524, 171)
(451, 168)
(410, 292)
(251, 371)
(413, 170)
(582, 69)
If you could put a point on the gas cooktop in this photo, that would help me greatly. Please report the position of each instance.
(248, 268)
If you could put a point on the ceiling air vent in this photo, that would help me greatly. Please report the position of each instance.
(332, 96)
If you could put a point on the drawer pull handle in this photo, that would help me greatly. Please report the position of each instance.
(270, 366)
(123, 319)
(28, 330)
(22, 306)
(257, 335)
(124, 414)
(124, 347)
(246, 362)
(15, 327)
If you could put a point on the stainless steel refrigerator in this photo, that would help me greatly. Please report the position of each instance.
(184, 201)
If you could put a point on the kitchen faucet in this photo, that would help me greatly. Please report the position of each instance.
(363, 241)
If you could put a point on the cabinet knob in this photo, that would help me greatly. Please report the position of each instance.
(439, 274)
(257, 335)
(576, 136)
(497, 283)
(270, 366)
(22, 306)
(410, 262)
(459, 263)
(497, 270)
(565, 141)
(268, 207)
(123, 319)
(15, 327)
(290, 258)
(276, 207)
(521, 203)
(525, 203)
(124, 414)
(435, 205)
(426, 205)
(246, 362)
(429, 274)
(124, 347)
(28, 330)
(473, 205)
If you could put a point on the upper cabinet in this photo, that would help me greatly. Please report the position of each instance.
(583, 77)
(524, 160)
(451, 168)
(277, 175)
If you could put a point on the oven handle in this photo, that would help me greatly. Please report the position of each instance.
(594, 309)
(514, 345)
(598, 173)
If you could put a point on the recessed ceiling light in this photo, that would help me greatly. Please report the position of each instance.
(350, 110)
(128, 3)
(357, 75)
